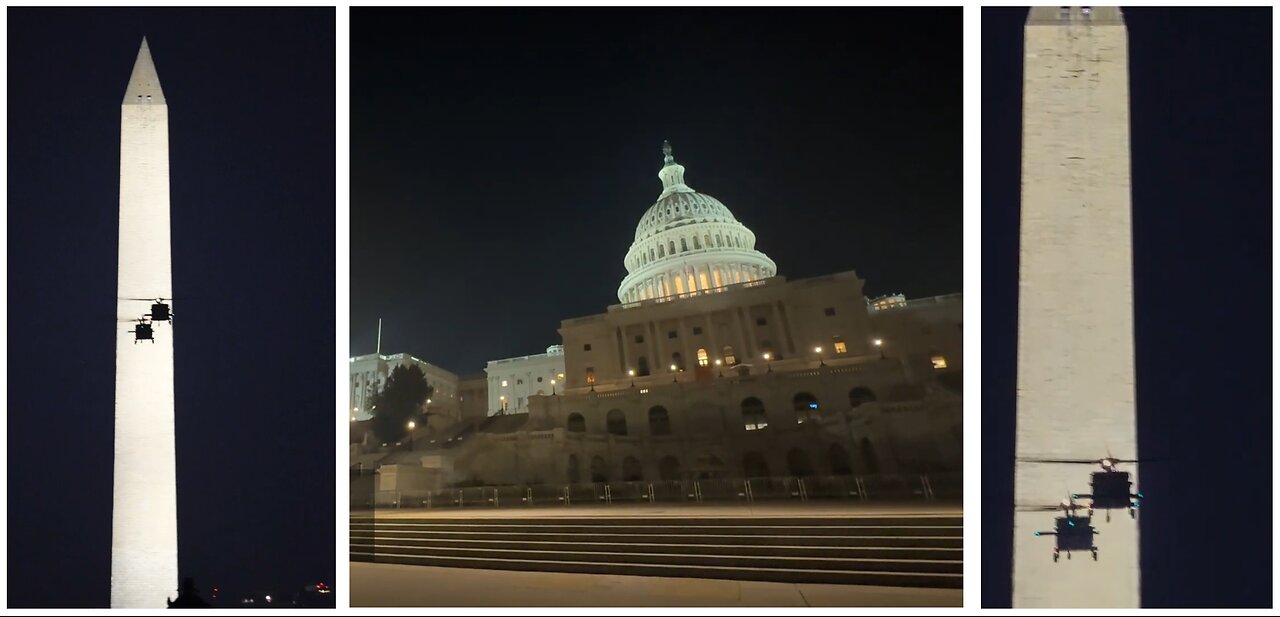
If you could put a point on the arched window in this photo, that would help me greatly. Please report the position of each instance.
(839, 460)
(642, 366)
(798, 463)
(669, 469)
(599, 471)
(697, 244)
(659, 421)
(753, 415)
(719, 242)
(754, 465)
(707, 240)
(671, 247)
(616, 422)
(651, 254)
(702, 358)
(729, 358)
(806, 407)
(662, 250)
(860, 395)
(577, 424)
(684, 246)
(631, 470)
(574, 474)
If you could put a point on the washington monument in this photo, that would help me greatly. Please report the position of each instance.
(144, 523)
(1075, 398)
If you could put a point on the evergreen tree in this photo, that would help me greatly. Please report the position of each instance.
(399, 402)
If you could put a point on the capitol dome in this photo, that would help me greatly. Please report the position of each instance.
(688, 243)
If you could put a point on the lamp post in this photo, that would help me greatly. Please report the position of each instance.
(879, 343)
(768, 358)
(553, 387)
(411, 425)
(818, 350)
(632, 374)
(673, 374)
(719, 373)
(502, 399)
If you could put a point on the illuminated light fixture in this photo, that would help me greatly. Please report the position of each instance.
(412, 425)
(817, 350)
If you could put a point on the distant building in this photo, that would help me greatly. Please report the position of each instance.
(369, 374)
(887, 302)
(512, 381)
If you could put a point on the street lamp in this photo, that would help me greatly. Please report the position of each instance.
(503, 400)
(879, 343)
(412, 425)
(818, 350)
(768, 357)
(718, 372)
(553, 387)
(673, 374)
(631, 373)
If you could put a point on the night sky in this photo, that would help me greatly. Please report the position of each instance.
(1200, 88)
(252, 141)
(502, 158)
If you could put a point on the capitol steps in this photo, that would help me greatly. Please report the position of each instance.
(917, 551)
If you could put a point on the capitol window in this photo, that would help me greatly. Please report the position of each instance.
(639, 338)
(697, 330)
(696, 243)
(729, 357)
(586, 347)
(830, 311)
(684, 246)
(939, 362)
(539, 380)
(839, 346)
(761, 321)
(702, 357)
(504, 383)
(671, 334)
(519, 382)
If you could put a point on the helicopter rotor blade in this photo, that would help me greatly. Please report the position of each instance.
(1064, 461)
(147, 299)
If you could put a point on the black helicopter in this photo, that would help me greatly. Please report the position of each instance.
(1071, 532)
(1110, 489)
(159, 310)
(142, 332)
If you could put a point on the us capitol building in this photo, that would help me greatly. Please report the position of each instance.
(711, 366)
